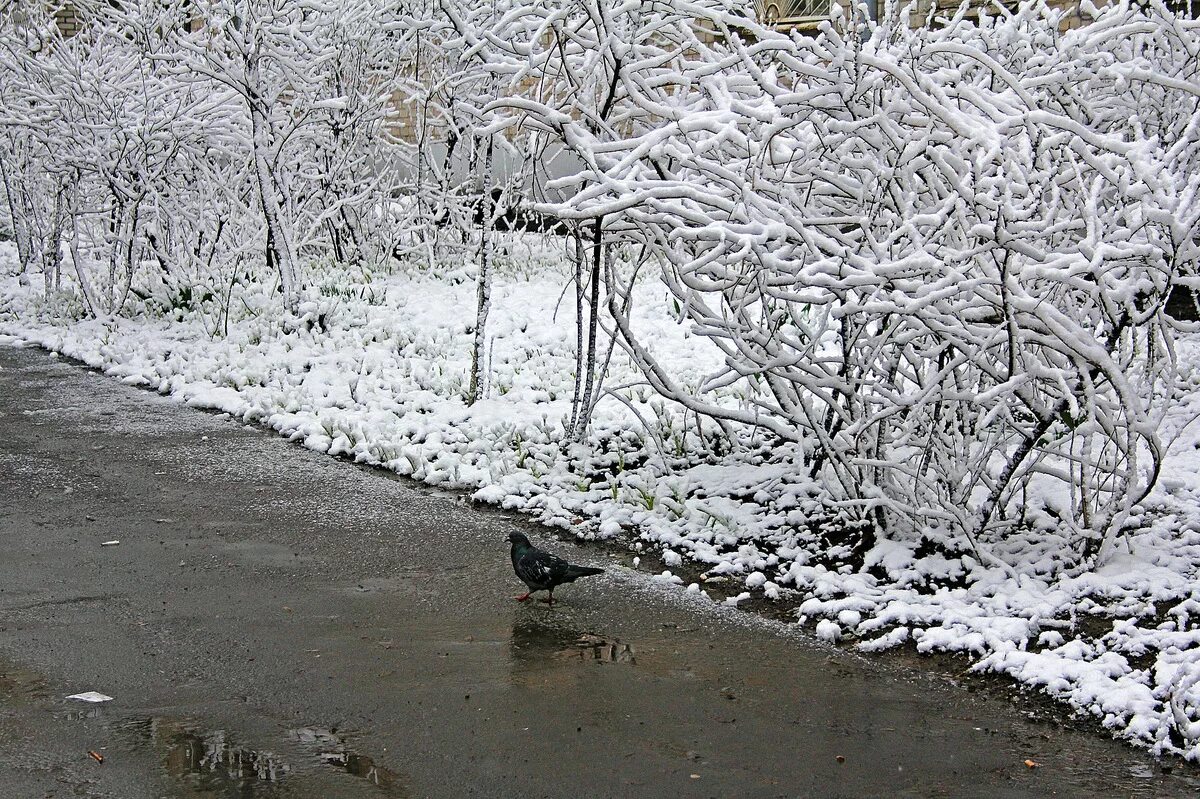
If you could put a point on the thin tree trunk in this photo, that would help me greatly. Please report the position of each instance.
(52, 247)
(586, 404)
(85, 285)
(577, 259)
(114, 238)
(484, 282)
(127, 242)
(19, 219)
(279, 242)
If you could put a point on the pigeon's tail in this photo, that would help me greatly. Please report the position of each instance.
(575, 572)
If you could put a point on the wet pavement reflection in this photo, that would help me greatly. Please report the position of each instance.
(219, 764)
(540, 640)
(331, 750)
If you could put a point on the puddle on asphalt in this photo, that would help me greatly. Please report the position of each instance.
(20, 685)
(215, 763)
(76, 713)
(218, 764)
(331, 751)
(595, 647)
(1141, 771)
(543, 639)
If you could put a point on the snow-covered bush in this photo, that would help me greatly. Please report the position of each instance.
(174, 149)
(937, 258)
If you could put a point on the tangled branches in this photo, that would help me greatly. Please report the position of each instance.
(938, 258)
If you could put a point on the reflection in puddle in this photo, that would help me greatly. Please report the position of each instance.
(361, 766)
(332, 752)
(213, 763)
(536, 640)
(1140, 771)
(594, 647)
(89, 712)
(220, 764)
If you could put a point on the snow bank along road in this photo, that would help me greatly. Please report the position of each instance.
(278, 623)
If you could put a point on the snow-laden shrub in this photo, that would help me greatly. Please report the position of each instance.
(174, 148)
(937, 257)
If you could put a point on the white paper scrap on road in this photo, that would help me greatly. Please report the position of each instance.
(91, 696)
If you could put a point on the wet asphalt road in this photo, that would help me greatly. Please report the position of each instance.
(276, 623)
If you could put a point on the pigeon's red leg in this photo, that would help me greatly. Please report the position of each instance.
(523, 597)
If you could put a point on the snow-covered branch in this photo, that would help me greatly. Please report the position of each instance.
(937, 257)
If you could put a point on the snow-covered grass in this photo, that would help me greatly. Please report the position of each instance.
(374, 367)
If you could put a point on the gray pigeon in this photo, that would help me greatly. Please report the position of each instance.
(540, 570)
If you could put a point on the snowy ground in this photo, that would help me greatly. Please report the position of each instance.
(374, 368)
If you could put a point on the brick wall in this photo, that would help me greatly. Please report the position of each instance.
(69, 20)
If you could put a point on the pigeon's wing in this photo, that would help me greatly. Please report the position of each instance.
(540, 568)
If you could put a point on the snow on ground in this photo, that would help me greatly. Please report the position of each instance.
(374, 368)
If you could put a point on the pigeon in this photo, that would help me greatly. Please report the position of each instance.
(540, 570)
